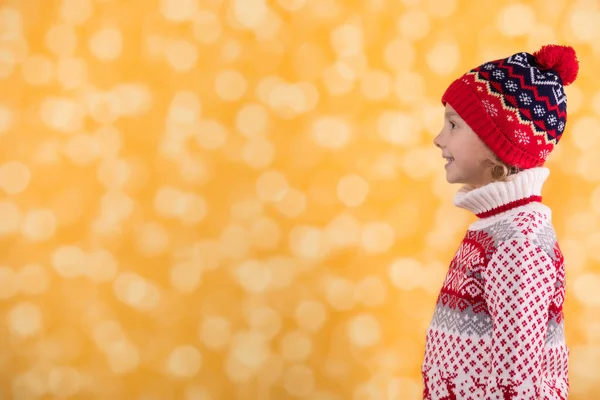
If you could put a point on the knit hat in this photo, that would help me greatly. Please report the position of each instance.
(517, 105)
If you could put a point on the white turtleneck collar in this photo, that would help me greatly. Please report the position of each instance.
(496, 197)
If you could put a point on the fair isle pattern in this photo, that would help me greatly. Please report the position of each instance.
(498, 330)
(537, 97)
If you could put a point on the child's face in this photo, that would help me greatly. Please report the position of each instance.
(464, 151)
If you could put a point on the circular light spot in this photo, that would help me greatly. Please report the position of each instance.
(39, 225)
(375, 85)
(397, 128)
(169, 201)
(8, 283)
(184, 361)
(195, 392)
(283, 270)
(181, 55)
(114, 173)
(151, 239)
(292, 204)
(409, 87)
(11, 22)
(420, 162)
(68, 261)
(299, 381)
(352, 190)
(339, 79)
(344, 230)
(443, 59)
(331, 132)
(347, 39)
(253, 276)
(364, 330)
(308, 243)
(258, 153)
(32, 279)
(37, 70)
(178, 10)
(292, 5)
(440, 8)
(136, 291)
(271, 186)
(250, 349)
(210, 134)
(265, 320)
(185, 277)
(64, 115)
(116, 206)
(71, 72)
(6, 119)
(215, 332)
(184, 108)
(414, 24)
(61, 40)
(230, 85)
(340, 293)
(25, 319)
(296, 346)
(76, 12)
(586, 289)
(580, 132)
(82, 149)
(250, 13)
(235, 242)
(64, 381)
(252, 120)
(133, 98)
(311, 315)
(14, 177)
(106, 44)
(10, 217)
(101, 266)
(123, 357)
(405, 273)
(377, 237)
(206, 27)
(516, 19)
(400, 55)
(265, 233)
(370, 291)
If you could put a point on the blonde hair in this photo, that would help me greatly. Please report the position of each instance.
(501, 171)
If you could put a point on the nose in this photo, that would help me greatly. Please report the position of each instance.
(436, 140)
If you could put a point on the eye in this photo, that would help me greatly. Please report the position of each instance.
(452, 125)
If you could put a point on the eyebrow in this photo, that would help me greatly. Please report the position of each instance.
(448, 114)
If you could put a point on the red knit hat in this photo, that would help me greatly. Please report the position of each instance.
(517, 105)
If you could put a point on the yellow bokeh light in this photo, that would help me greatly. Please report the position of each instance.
(25, 319)
(61, 39)
(242, 198)
(14, 177)
(106, 44)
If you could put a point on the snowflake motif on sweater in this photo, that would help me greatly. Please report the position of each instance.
(498, 330)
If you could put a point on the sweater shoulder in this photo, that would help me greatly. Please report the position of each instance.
(533, 224)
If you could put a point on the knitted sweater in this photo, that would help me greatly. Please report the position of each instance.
(497, 330)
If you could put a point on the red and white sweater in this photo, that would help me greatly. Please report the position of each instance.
(498, 330)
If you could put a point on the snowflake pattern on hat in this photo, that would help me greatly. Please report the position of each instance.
(522, 93)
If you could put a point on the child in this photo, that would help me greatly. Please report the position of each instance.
(498, 330)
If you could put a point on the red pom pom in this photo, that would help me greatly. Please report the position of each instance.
(561, 59)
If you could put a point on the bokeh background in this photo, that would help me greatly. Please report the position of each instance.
(239, 199)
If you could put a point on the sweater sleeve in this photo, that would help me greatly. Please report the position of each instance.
(519, 281)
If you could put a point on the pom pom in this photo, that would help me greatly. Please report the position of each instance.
(561, 59)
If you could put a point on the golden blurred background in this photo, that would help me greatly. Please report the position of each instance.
(239, 199)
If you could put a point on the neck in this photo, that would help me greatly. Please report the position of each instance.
(498, 197)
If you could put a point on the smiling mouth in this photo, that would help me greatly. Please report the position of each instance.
(449, 161)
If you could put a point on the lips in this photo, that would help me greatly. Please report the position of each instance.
(449, 161)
